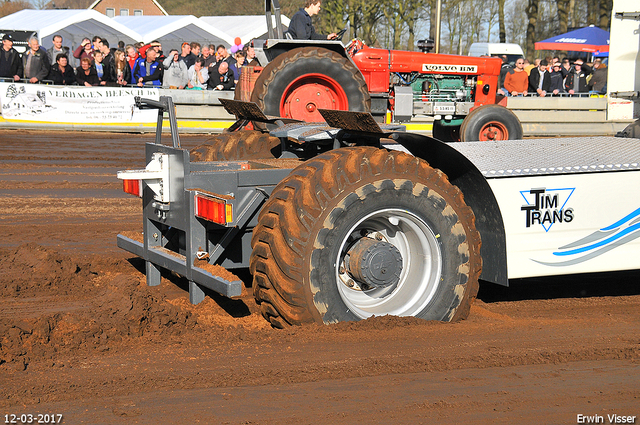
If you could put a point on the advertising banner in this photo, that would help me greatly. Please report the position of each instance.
(74, 104)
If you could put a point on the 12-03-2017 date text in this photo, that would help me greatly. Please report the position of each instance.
(29, 418)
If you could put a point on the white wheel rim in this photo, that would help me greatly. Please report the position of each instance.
(421, 271)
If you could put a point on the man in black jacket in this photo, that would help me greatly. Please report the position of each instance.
(221, 78)
(557, 85)
(10, 62)
(576, 81)
(301, 27)
(540, 79)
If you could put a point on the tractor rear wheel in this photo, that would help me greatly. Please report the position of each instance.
(490, 123)
(299, 82)
(358, 232)
(237, 145)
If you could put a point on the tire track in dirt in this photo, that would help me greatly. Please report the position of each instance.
(82, 334)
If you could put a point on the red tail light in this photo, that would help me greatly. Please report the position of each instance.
(213, 209)
(134, 187)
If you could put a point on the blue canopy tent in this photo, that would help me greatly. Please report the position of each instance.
(590, 39)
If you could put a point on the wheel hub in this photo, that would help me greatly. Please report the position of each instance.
(494, 131)
(306, 94)
(376, 264)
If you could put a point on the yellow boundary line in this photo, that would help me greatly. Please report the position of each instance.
(204, 124)
(181, 123)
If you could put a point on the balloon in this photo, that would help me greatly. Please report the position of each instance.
(238, 46)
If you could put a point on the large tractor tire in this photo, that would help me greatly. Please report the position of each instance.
(237, 145)
(299, 82)
(490, 123)
(361, 231)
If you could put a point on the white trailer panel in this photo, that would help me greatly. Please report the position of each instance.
(571, 223)
(568, 205)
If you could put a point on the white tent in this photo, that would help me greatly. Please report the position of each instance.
(72, 25)
(247, 27)
(172, 31)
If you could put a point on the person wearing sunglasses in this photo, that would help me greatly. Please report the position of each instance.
(516, 81)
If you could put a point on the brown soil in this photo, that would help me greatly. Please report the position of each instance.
(82, 335)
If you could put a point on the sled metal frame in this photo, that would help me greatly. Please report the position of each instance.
(244, 184)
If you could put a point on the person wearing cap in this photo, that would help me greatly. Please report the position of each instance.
(10, 63)
(186, 56)
(35, 62)
(576, 81)
(556, 85)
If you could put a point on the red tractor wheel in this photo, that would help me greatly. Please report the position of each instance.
(490, 123)
(299, 82)
(308, 93)
(493, 130)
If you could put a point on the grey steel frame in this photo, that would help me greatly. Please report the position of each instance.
(246, 190)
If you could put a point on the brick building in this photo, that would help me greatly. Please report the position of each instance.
(113, 8)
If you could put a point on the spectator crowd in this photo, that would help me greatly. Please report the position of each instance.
(192, 67)
(552, 77)
(209, 67)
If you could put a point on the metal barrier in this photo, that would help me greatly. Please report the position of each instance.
(200, 111)
(564, 116)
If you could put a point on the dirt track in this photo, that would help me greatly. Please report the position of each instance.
(82, 335)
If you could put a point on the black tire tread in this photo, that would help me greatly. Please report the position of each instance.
(288, 217)
(237, 145)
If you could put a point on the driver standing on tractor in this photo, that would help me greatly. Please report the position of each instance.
(301, 28)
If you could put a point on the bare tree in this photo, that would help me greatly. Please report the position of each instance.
(502, 29)
(605, 14)
(411, 12)
(10, 7)
(532, 20)
(563, 15)
(515, 15)
(41, 4)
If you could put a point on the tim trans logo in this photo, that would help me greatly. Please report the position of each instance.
(545, 207)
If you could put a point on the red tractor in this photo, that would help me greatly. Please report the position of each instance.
(298, 77)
